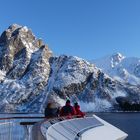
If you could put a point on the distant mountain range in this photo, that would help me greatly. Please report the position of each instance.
(119, 67)
(31, 76)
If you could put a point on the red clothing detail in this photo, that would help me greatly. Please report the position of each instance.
(67, 110)
(78, 111)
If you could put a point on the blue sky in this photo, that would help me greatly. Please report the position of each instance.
(86, 28)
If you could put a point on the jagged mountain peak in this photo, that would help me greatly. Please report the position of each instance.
(109, 61)
(14, 31)
(17, 41)
(19, 33)
(116, 58)
(118, 54)
(14, 27)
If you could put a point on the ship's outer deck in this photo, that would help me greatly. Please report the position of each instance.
(59, 128)
(71, 129)
(88, 128)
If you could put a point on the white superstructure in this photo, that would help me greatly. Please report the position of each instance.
(88, 128)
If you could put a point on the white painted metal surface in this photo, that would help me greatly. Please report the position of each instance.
(105, 132)
(71, 129)
(84, 129)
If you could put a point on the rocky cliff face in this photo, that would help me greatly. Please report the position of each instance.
(30, 77)
(25, 68)
(74, 78)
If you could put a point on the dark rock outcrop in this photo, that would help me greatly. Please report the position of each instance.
(128, 104)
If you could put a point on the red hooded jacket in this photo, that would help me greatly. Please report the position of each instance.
(67, 110)
(78, 111)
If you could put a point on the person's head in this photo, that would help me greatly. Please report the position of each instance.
(68, 102)
(49, 105)
(76, 104)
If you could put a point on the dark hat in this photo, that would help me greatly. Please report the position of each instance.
(75, 104)
(68, 101)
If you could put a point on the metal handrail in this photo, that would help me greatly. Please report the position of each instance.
(23, 117)
(5, 123)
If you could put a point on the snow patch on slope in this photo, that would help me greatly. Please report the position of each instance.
(72, 70)
(100, 105)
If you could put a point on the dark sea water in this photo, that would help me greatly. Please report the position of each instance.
(128, 122)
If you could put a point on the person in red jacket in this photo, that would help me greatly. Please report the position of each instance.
(67, 110)
(79, 113)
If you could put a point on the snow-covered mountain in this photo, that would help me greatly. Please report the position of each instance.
(25, 68)
(124, 69)
(30, 76)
